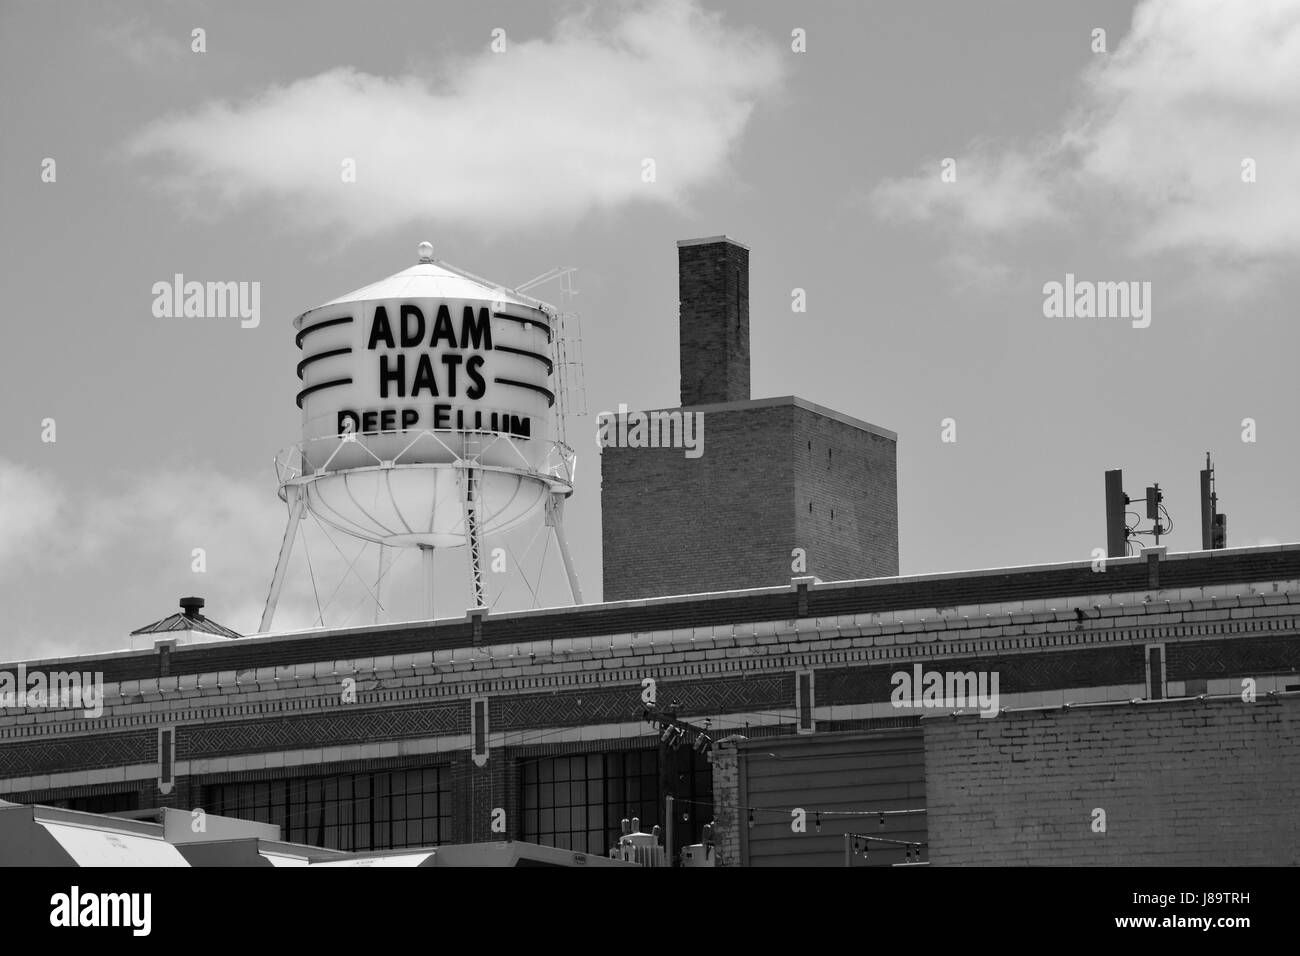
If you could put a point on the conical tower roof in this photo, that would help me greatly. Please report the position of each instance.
(432, 279)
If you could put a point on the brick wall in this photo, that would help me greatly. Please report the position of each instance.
(772, 478)
(723, 521)
(850, 479)
(583, 692)
(1182, 783)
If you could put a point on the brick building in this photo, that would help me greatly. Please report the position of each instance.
(1169, 703)
(540, 714)
(532, 725)
(1199, 782)
(782, 484)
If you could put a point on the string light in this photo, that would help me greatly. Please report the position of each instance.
(785, 811)
(819, 823)
(676, 732)
(911, 848)
(751, 818)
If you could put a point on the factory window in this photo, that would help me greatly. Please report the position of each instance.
(388, 809)
(579, 802)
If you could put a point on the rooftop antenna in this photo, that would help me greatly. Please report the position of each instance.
(1118, 529)
(1214, 526)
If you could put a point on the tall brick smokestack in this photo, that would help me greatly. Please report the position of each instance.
(713, 291)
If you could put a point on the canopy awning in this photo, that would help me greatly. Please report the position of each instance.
(403, 859)
(92, 846)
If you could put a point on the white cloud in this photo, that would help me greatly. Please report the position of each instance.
(30, 511)
(993, 192)
(117, 542)
(159, 522)
(538, 135)
(144, 45)
(971, 270)
(1154, 147)
(119, 546)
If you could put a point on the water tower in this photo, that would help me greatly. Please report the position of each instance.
(429, 420)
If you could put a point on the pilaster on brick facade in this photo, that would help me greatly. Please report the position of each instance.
(488, 795)
(727, 816)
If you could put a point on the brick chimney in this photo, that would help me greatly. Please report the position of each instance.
(829, 481)
(713, 292)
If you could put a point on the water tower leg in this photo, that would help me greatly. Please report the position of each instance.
(297, 502)
(426, 571)
(475, 557)
(555, 518)
(379, 582)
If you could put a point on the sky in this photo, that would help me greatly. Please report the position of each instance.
(922, 171)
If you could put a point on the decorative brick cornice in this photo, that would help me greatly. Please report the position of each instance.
(615, 664)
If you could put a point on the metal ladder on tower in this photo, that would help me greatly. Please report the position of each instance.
(472, 478)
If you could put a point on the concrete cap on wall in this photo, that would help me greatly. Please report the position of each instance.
(710, 240)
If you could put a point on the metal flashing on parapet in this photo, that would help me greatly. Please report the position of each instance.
(1272, 695)
(710, 240)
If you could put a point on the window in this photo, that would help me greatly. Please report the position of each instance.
(381, 810)
(579, 802)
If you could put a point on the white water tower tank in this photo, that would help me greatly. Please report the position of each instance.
(418, 392)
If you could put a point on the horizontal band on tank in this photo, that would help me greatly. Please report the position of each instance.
(322, 355)
(297, 339)
(550, 396)
(545, 360)
(323, 385)
(524, 320)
